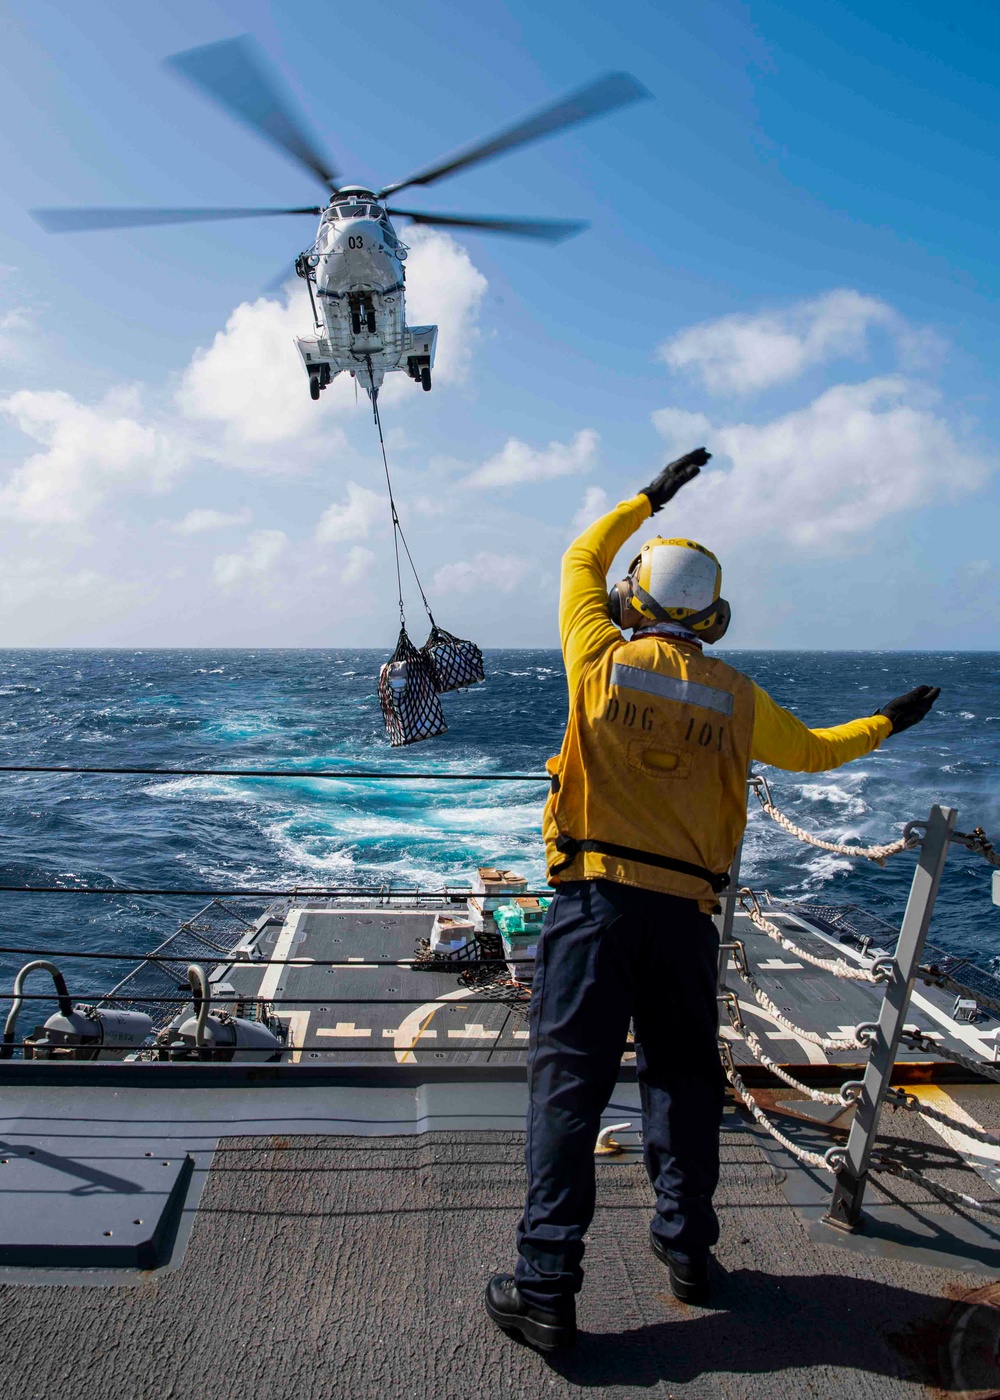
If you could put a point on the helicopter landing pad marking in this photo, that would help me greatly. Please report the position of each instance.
(272, 974)
(983, 1159)
(414, 1026)
(298, 1030)
(344, 1030)
(474, 1031)
(812, 1052)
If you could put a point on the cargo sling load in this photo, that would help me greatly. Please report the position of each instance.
(412, 679)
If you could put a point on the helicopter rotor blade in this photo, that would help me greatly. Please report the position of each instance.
(232, 73)
(81, 220)
(603, 95)
(548, 230)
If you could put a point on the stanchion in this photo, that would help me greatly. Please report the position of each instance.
(849, 1188)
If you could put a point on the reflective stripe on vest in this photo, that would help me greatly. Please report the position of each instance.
(672, 688)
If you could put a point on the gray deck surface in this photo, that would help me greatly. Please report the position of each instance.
(334, 1018)
(335, 1266)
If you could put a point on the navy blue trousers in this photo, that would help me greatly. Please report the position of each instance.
(610, 953)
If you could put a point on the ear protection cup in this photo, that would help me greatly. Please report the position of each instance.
(618, 601)
(719, 628)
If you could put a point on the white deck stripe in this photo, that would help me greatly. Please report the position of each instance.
(345, 1030)
(298, 1032)
(272, 975)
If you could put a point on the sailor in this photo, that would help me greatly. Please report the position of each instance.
(646, 811)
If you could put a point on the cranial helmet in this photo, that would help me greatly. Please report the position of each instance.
(673, 581)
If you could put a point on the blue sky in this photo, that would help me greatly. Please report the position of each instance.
(793, 243)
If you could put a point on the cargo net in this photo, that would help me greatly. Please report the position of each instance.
(407, 692)
(413, 678)
(454, 662)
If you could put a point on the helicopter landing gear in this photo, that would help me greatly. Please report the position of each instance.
(318, 380)
(419, 369)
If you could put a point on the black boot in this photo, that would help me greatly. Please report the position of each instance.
(543, 1328)
(689, 1278)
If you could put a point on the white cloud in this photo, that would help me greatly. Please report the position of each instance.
(201, 519)
(444, 288)
(498, 573)
(16, 325)
(352, 520)
(249, 384)
(593, 505)
(263, 550)
(517, 462)
(822, 477)
(746, 353)
(359, 565)
(681, 428)
(88, 452)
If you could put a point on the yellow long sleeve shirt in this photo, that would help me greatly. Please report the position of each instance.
(586, 631)
(649, 788)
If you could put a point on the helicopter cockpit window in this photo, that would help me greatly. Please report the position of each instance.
(353, 211)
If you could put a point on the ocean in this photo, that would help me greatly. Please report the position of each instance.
(313, 709)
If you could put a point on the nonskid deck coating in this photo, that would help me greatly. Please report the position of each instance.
(325, 1267)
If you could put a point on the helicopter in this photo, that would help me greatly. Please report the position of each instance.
(354, 269)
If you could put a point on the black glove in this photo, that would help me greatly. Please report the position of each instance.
(673, 476)
(910, 708)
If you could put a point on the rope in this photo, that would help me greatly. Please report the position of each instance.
(825, 1042)
(811, 1159)
(397, 529)
(916, 1040)
(893, 1167)
(761, 1055)
(838, 966)
(899, 1099)
(878, 854)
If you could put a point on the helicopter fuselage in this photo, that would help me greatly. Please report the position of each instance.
(356, 276)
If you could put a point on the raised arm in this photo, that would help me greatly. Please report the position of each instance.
(585, 625)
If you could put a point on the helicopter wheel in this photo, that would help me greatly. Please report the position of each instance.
(314, 386)
(355, 323)
(425, 378)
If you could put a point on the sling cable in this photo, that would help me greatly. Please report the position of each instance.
(412, 680)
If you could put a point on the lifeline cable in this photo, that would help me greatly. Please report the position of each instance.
(343, 773)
